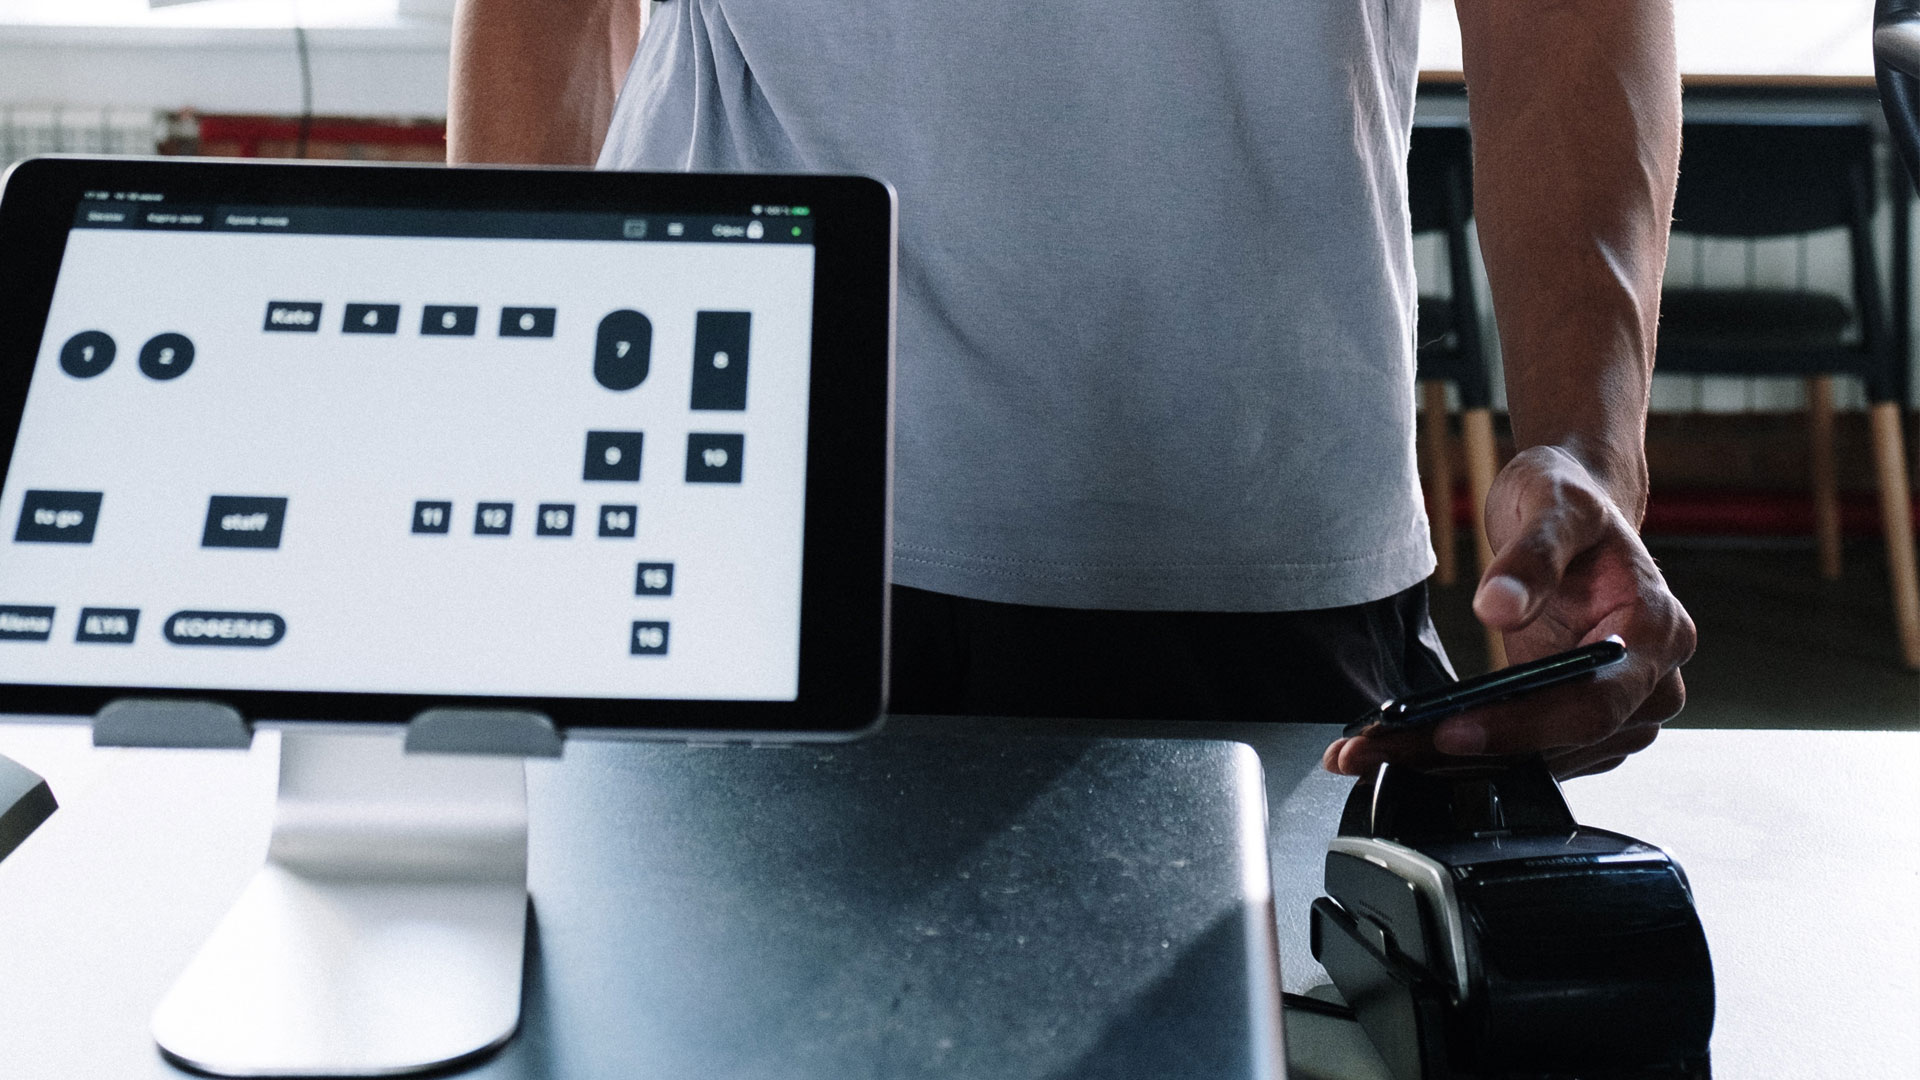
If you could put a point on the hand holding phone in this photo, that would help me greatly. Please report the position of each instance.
(1421, 710)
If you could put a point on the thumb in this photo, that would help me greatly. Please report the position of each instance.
(1557, 522)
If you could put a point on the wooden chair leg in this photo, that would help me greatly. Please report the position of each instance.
(1896, 512)
(1483, 461)
(1826, 482)
(1439, 481)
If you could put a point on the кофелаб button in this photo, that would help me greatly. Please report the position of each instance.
(243, 629)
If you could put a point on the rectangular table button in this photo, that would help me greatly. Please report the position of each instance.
(21, 622)
(58, 517)
(107, 625)
(554, 519)
(371, 319)
(720, 359)
(432, 518)
(526, 322)
(244, 521)
(493, 519)
(648, 639)
(449, 320)
(613, 455)
(619, 522)
(714, 458)
(293, 316)
(653, 579)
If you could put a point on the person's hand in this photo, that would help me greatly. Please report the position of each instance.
(1568, 569)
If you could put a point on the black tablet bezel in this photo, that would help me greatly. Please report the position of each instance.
(847, 547)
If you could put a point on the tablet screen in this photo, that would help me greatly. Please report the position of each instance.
(415, 451)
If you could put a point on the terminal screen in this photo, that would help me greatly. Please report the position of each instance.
(402, 451)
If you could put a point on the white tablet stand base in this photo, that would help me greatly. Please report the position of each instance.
(386, 932)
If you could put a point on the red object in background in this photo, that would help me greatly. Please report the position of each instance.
(1737, 513)
(333, 137)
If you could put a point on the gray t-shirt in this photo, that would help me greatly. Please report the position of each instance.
(1156, 285)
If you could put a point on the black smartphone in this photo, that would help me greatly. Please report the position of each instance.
(1418, 710)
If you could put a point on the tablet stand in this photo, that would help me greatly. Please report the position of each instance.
(386, 931)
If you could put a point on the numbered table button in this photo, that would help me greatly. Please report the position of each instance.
(554, 519)
(526, 322)
(714, 459)
(243, 521)
(86, 354)
(432, 518)
(493, 519)
(622, 350)
(613, 455)
(107, 626)
(619, 522)
(19, 622)
(720, 359)
(58, 517)
(293, 317)
(653, 579)
(166, 356)
(371, 319)
(648, 639)
(449, 320)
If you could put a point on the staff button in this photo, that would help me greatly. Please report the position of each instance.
(243, 521)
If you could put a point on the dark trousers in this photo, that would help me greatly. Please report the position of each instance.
(957, 656)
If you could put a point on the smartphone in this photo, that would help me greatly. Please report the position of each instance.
(1419, 710)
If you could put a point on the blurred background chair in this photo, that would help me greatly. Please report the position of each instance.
(1448, 349)
(1786, 176)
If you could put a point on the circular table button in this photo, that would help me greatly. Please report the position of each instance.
(86, 354)
(167, 356)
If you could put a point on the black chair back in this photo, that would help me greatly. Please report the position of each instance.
(1777, 178)
(1440, 176)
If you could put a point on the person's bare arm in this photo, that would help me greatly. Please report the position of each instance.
(1575, 109)
(533, 82)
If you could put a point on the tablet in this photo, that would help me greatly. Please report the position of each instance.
(345, 443)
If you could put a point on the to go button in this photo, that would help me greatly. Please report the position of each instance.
(248, 629)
